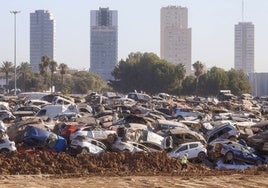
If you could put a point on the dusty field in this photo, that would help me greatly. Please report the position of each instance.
(234, 180)
(117, 170)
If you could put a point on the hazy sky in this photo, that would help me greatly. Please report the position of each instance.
(212, 23)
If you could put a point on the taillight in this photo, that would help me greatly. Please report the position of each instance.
(205, 146)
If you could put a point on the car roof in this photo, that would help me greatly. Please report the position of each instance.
(39, 132)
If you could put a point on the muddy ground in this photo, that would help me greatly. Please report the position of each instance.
(118, 170)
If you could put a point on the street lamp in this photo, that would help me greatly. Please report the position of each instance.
(15, 12)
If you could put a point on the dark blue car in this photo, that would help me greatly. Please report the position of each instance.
(236, 151)
(41, 138)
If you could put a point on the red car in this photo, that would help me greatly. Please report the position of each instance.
(67, 130)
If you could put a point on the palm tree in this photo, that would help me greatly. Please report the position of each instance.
(24, 69)
(7, 67)
(46, 61)
(43, 67)
(199, 70)
(52, 67)
(181, 72)
(63, 69)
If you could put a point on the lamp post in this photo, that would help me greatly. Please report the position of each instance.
(15, 13)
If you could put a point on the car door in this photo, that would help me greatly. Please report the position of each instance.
(193, 150)
(181, 151)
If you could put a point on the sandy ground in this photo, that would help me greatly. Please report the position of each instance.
(234, 180)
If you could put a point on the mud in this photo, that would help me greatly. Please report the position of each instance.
(106, 164)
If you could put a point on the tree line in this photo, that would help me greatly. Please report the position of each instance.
(140, 71)
(51, 74)
(147, 72)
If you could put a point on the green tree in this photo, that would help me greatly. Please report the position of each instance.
(199, 70)
(52, 67)
(63, 70)
(7, 67)
(180, 74)
(43, 68)
(24, 70)
(213, 81)
(144, 72)
(238, 82)
(85, 81)
(188, 85)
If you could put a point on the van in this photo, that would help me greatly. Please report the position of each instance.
(52, 111)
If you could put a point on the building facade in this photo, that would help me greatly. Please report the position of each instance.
(103, 42)
(42, 37)
(244, 47)
(258, 82)
(176, 37)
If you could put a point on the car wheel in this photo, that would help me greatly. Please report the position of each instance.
(201, 156)
(4, 150)
(84, 151)
(229, 156)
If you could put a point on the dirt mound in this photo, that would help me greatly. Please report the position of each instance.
(109, 164)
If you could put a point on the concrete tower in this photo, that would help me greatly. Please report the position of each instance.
(244, 47)
(42, 37)
(103, 42)
(176, 36)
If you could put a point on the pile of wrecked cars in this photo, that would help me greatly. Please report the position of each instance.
(220, 133)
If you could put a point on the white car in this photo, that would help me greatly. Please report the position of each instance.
(85, 145)
(181, 113)
(93, 132)
(128, 146)
(195, 150)
(5, 144)
(3, 127)
(136, 132)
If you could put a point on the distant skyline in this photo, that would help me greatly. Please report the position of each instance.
(212, 23)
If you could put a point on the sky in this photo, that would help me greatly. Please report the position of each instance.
(212, 23)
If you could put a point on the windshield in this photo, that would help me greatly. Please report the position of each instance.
(51, 140)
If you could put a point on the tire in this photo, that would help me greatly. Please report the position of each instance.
(4, 150)
(84, 150)
(201, 156)
(229, 156)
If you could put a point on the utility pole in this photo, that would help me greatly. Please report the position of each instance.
(15, 63)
